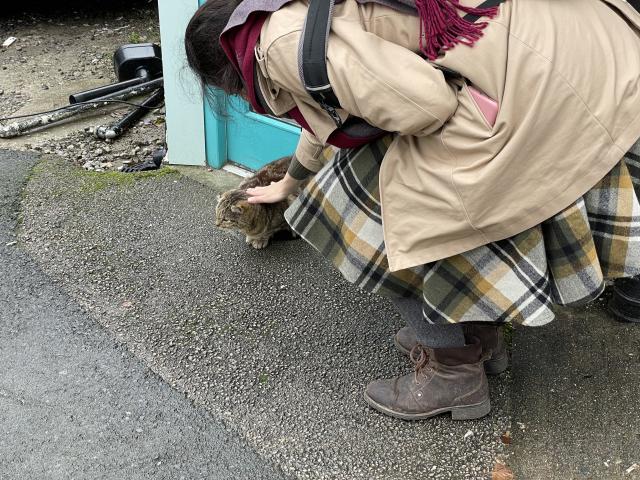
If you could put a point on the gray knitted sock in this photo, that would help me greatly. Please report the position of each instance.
(429, 334)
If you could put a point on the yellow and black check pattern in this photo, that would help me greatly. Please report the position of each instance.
(565, 260)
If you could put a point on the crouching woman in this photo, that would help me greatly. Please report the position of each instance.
(506, 181)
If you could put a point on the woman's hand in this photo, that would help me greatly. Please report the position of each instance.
(275, 192)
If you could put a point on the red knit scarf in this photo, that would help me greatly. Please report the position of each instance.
(441, 27)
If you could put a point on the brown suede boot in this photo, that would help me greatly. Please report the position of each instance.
(493, 347)
(445, 380)
(491, 338)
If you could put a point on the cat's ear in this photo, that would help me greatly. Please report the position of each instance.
(240, 207)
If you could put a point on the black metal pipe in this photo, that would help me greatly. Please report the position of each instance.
(143, 77)
(20, 128)
(129, 120)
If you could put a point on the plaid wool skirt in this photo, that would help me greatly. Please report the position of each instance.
(565, 260)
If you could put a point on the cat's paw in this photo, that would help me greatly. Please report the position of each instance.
(259, 243)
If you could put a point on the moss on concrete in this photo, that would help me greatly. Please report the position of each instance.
(96, 181)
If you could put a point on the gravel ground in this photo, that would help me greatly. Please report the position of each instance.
(274, 343)
(75, 403)
(575, 398)
(66, 49)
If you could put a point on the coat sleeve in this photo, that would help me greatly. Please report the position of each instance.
(308, 156)
(388, 85)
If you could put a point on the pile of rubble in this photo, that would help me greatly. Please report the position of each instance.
(57, 51)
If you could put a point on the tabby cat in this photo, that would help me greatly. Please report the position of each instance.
(258, 221)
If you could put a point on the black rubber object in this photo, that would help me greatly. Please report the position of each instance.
(133, 65)
(128, 60)
(625, 301)
(154, 163)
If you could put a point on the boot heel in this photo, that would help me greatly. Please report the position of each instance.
(495, 366)
(471, 412)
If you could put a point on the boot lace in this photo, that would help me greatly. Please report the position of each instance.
(420, 358)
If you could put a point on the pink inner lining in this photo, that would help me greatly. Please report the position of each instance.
(488, 106)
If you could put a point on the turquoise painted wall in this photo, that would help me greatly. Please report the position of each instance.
(244, 137)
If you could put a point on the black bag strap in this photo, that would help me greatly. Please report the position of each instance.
(312, 56)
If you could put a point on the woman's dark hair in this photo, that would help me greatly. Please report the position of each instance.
(204, 53)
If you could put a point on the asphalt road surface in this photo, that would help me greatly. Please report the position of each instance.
(74, 403)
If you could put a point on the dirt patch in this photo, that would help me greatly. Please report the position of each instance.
(60, 51)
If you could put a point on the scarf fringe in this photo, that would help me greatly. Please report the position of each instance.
(442, 28)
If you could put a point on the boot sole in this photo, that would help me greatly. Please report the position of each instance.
(493, 366)
(466, 412)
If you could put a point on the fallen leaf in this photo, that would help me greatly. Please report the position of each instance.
(468, 434)
(127, 304)
(632, 468)
(506, 438)
(501, 472)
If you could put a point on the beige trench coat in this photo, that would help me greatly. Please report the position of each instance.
(566, 75)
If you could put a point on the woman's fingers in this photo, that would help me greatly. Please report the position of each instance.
(256, 199)
(268, 197)
(272, 193)
(263, 196)
(255, 190)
